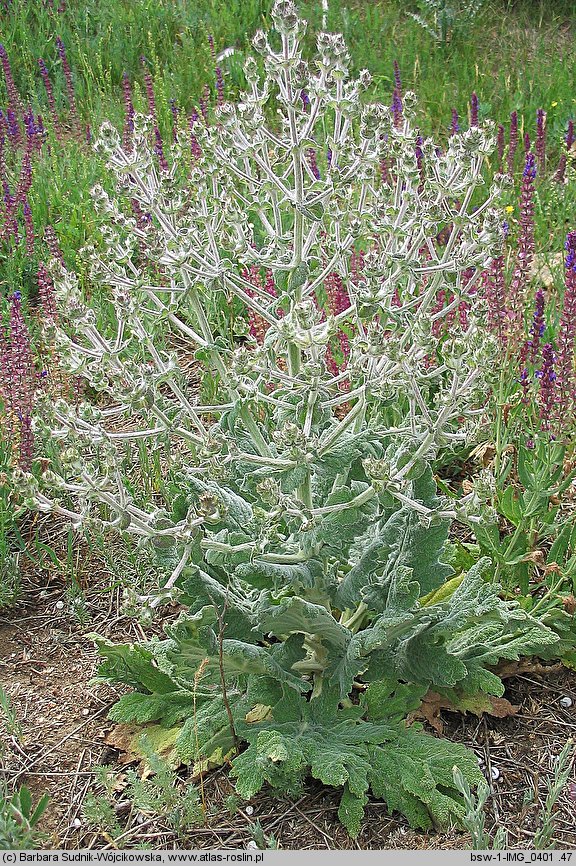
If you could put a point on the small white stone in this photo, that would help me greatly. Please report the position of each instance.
(59, 605)
(249, 810)
(495, 774)
(252, 844)
(565, 702)
(85, 712)
(76, 822)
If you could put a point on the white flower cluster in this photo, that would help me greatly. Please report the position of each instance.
(296, 196)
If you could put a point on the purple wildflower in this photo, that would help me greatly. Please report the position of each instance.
(525, 385)
(149, 88)
(312, 162)
(25, 179)
(567, 329)
(570, 135)
(47, 294)
(495, 293)
(454, 124)
(526, 143)
(219, 85)
(52, 243)
(560, 173)
(49, 95)
(547, 391)
(513, 142)
(159, 149)
(33, 137)
(516, 299)
(29, 229)
(217, 73)
(69, 82)
(537, 327)
(305, 100)
(18, 379)
(397, 109)
(13, 97)
(397, 78)
(194, 146)
(13, 127)
(204, 99)
(474, 110)
(529, 167)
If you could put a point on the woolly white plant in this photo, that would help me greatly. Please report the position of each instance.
(299, 508)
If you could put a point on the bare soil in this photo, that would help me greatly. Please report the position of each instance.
(47, 663)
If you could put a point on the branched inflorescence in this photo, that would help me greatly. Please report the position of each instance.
(255, 220)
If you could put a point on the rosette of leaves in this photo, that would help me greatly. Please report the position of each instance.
(318, 675)
(296, 516)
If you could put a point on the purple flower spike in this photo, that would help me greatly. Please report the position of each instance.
(69, 83)
(52, 243)
(13, 97)
(47, 294)
(18, 380)
(537, 326)
(560, 174)
(13, 127)
(217, 72)
(311, 159)
(204, 104)
(516, 295)
(397, 78)
(149, 87)
(530, 167)
(29, 229)
(49, 95)
(159, 150)
(567, 332)
(454, 125)
(397, 109)
(474, 110)
(194, 146)
(547, 379)
(495, 293)
(525, 385)
(513, 142)
(570, 135)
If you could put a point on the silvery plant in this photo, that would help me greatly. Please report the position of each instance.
(298, 508)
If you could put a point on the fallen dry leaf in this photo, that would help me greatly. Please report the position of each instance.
(433, 704)
(525, 666)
